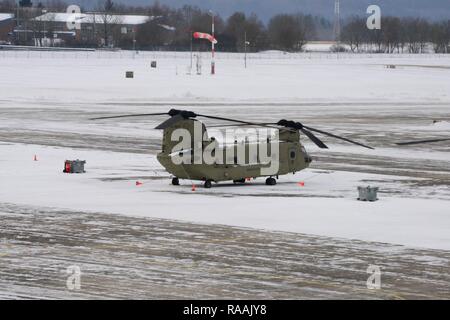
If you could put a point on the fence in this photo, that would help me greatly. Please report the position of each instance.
(154, 55)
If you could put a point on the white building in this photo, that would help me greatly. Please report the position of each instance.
(86, 27)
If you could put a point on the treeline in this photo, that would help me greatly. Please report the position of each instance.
(288, 32)
(171, 29)
(412, 35)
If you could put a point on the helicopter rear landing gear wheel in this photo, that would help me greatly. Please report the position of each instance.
(208, 184)
(175, 181)
(271, 181)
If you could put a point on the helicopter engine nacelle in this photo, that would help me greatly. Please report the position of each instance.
(289, 135)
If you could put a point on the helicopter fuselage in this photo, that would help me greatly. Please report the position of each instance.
(291, 156)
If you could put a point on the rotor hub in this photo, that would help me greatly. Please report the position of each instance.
(185, 114)
(290, 124)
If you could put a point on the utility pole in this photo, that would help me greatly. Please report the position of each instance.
(134, 39)
(18, 23)
(213, 63)
(95, 30)
(337, 21)
(192, 48)
(191, 36)
(246, 43)
(44, 13)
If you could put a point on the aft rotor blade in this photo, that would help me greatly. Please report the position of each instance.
(421, 142)
(338, 137)
(314, 139)
(131, 116)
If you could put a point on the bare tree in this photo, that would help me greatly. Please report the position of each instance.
(151, 35)
(240, 28)
(289, 32)
(392, 33)
(236, 29)
(25, 15)
(50, 28)
(109, 22)
(7, 6)
(57, 5)
(35, 25)
(440, 36)
(354, 34)
(417, 34)
(25, 3)
(256, 33)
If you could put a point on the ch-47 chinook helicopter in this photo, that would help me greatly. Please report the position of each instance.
(292, 156)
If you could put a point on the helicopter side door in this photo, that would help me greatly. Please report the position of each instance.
(293, 155)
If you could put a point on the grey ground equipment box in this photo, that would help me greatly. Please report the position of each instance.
(76, 166)
(368, 194)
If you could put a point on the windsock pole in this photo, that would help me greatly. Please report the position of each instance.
(213, 63)
(212, 39)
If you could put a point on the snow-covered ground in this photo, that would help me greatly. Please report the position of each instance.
(46, 100)
(326, 205)
(86, 77)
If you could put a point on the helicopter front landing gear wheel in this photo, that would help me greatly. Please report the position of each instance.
(271, 181)
(208, 184)
(175, 181)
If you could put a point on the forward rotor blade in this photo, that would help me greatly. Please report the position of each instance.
(226, 119)
(239, 121)
(338, 137)
(131, 116)
(421, 142)
(235, 125)
(314, 139)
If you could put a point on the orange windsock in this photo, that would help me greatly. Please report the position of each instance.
(207, 36)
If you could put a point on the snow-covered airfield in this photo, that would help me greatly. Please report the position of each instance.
(46, 99)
